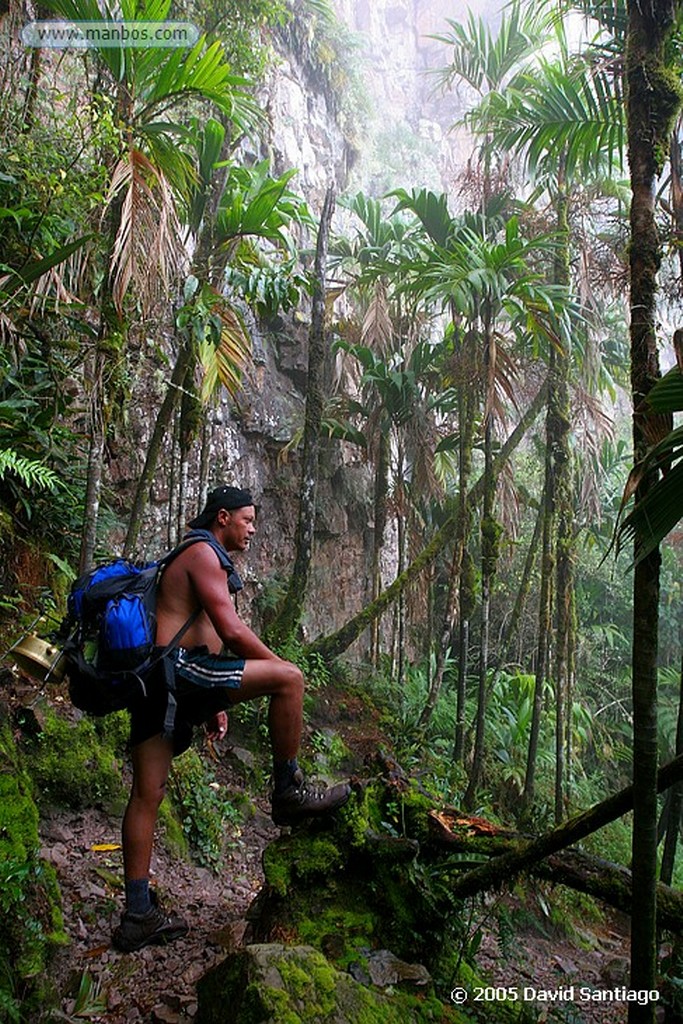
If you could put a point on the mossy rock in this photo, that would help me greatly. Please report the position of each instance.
(348, 885)
(78, 764)
(276, 984)
(298, 858)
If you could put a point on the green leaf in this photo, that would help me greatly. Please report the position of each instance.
(655, 515)
(667, 394)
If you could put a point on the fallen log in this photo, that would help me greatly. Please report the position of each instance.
(611, 883)
(529, 853)
(583, 872)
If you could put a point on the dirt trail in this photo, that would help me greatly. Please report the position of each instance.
(157, 984)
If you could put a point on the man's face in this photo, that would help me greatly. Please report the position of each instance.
(239, 526)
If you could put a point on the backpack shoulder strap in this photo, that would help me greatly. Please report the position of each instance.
(193, 536)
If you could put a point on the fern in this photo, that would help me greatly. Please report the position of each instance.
(30, 471)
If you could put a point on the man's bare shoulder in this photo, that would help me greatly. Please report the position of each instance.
(199, 555)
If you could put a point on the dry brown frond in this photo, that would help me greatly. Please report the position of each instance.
(377, 330)
(10, 336)
(508, 502)
(592, 425)
(421, 440)
(50, 285)
(148, 251)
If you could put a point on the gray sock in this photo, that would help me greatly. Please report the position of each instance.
(138, 901)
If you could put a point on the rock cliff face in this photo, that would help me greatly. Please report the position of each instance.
(400, 136)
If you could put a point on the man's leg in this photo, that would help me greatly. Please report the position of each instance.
(151, 765)
(293, 797)
(283, 682)
(144, 922)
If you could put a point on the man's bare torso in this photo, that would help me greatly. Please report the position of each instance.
(177, 601)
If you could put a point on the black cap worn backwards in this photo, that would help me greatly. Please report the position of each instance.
(225, 497)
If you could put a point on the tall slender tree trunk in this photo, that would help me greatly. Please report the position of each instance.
(571, 675)
(454, 596)
(564, 537)
(93, 485)
(381, 488)
(402, 546)
(183, 365)
(490, 536)
(174, 484)
(544, 626)
(205, 459)
(512, 627)
(290, 614)
(675, 804)
(653, 101)
(109, 338)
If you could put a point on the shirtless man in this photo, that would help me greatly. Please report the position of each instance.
(195, 582)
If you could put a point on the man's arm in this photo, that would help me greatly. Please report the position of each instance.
(209, 582)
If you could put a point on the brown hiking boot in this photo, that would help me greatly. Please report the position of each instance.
(302, 799)
(153, 928)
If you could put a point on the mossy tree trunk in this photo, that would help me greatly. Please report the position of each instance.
(490, 536)
(381, 487)
(512, 627)
(675, 803)
(456, 603)
(556, 562)
(545, 604)
(505, 867)
(564, 535)
(290, 613)
(653, 102)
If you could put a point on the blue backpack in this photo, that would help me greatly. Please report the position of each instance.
(108, 635)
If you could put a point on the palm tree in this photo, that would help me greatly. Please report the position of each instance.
(488, 285)
(230, 216)
(371, 265)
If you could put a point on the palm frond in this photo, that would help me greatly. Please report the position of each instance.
(654, 516)
(659, 510)
(553, 117)
(483, 60)
(667, 394)
(225, 351)
(203, 72)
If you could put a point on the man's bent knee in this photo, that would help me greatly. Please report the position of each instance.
(294, 679)
(263, 677)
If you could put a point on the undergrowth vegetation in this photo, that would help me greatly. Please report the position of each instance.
(31, 926)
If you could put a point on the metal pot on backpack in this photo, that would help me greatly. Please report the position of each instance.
(39, 659)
